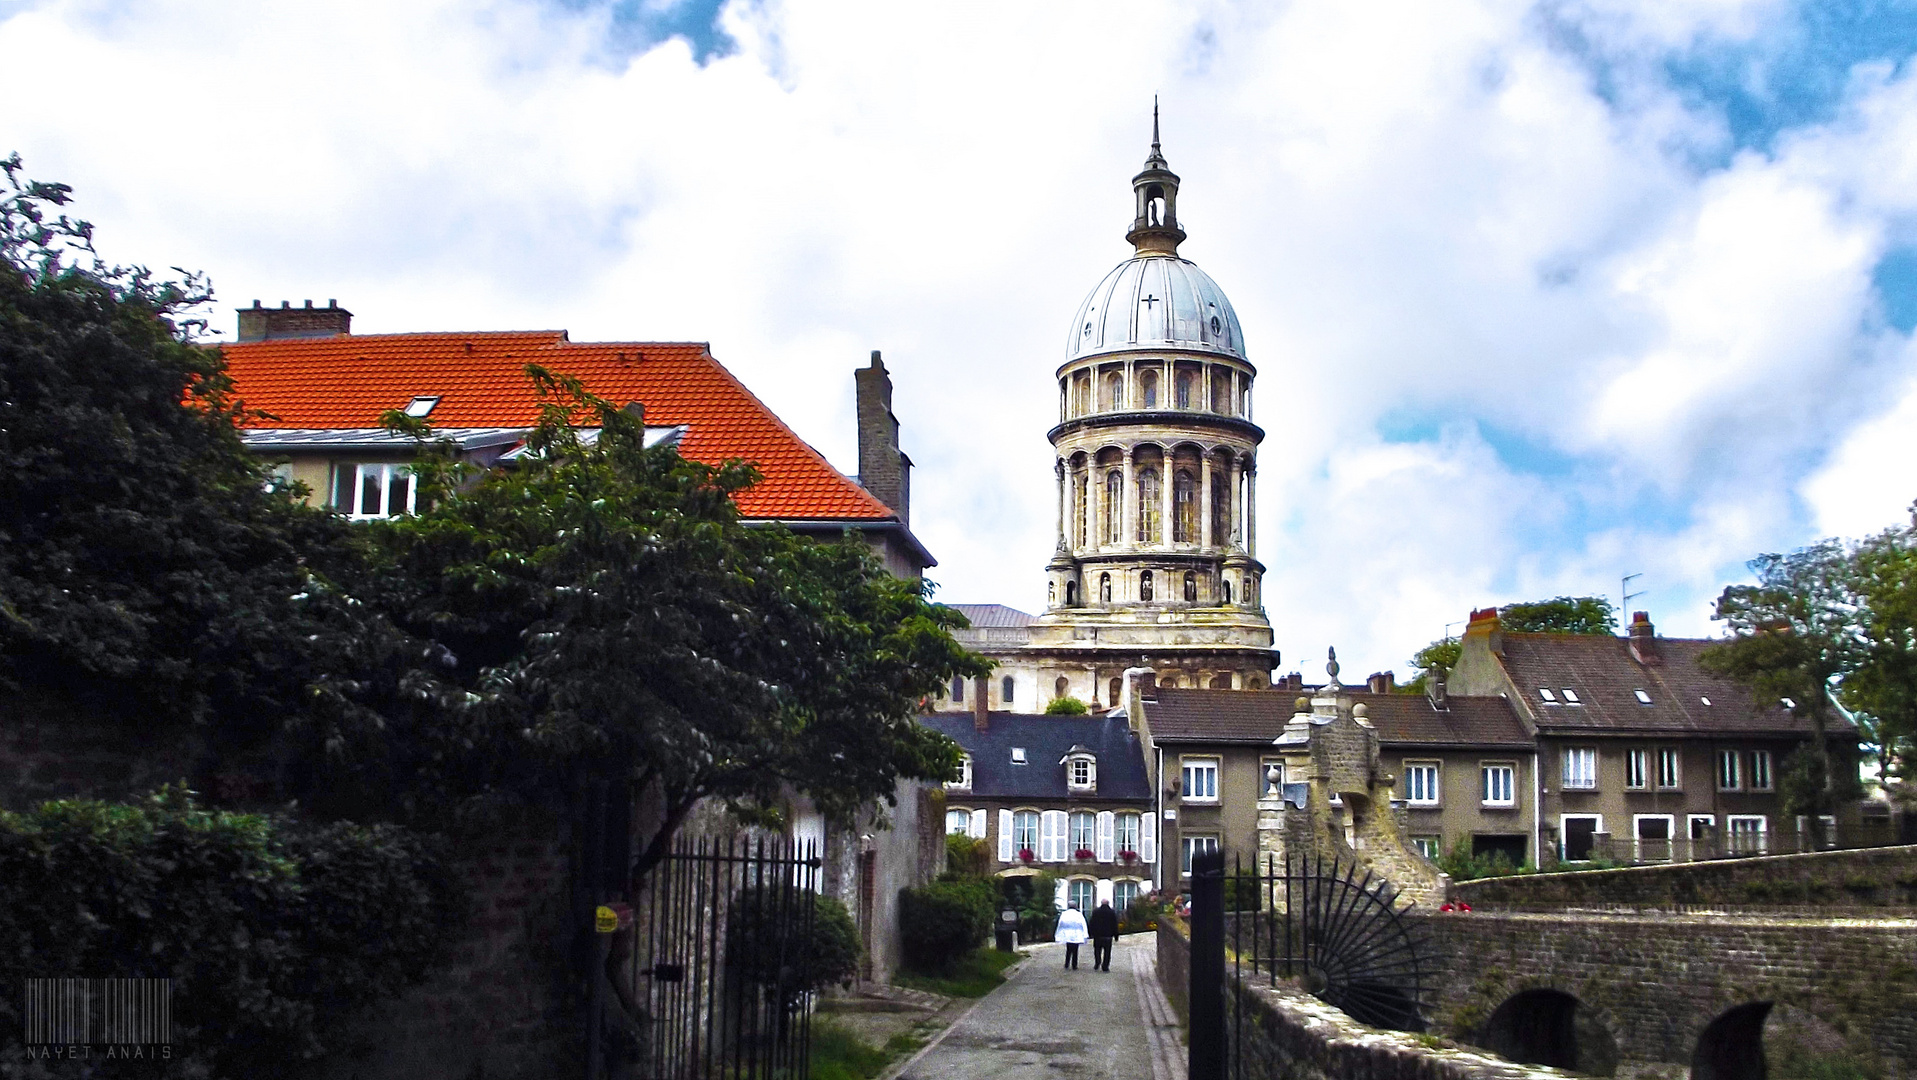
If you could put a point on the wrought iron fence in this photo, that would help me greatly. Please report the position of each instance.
(723, 934)
(1334, 929)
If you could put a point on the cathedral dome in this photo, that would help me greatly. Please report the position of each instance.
(1155, 301)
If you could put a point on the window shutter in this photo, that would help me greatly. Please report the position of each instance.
(1148, 836)
(978, 825)
(1051, 836)
(1005, 852)
(1105, 830)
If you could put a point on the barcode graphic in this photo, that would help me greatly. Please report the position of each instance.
(99, 1011)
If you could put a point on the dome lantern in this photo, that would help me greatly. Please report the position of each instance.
(1155, 228)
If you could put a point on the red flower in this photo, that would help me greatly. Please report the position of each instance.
(1027, 854)
(1084, 853)
(1128, 855)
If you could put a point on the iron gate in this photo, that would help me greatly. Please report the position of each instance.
(720, 961)
(1343, 933)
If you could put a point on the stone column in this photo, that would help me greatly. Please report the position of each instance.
(1128, 500)
(1204, 500)
(1233, 526)
(1251, 502)
(1166, 503)
(1058, 467)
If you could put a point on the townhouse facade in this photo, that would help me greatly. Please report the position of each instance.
(1065, 795)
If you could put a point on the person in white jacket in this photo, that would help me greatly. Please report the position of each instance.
(1072, 932)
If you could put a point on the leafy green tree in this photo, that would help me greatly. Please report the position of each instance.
(1792, 635)
(1881, 685)
(1439, 656)
(1560, 615)
(602, 615)
(148, 563)
(1065, 706)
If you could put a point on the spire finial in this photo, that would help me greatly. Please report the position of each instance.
(1155, 125)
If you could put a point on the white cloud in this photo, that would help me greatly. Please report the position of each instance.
(1428, 217)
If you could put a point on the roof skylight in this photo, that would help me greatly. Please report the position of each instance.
(419, 407)
(1787, 703)
(1018, 755)
(1545, 693)
(1571, 696)
(1644, 698)
(1705, 700)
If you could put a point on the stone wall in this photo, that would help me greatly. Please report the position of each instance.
(54, 749)
(1656, 981)
(499, 1009)
(1864, 879)
(1287, 1033)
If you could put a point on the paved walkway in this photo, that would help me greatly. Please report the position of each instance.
(1064, 1025)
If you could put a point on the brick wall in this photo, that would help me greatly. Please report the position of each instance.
(52, 749)
(1287, 1033)
(1865, 879)
(1654, 981)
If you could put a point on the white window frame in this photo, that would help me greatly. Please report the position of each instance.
(1765, 772)
(1762, 832)
(1127, 822)
(1024, 828)
(1137, 888)
(385, 471)
(1730, 770)
(1670, 836)
(1675, 756)
(964, 781)
(964, 819)
(1637, 769)
(1087, 888)
(1570, 696)
(1088, 765)
(1580, 779)
(1690, 824)
(1089, 820)
(1485, 784)
(1564, 833)
(1194, 768)
(1428, 789)
(1192, 843)
(1428, 846)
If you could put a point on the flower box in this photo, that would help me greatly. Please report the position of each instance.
(1027, 855)
(1085, 853)
(1128, 855)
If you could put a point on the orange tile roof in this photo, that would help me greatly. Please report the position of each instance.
(346, 381)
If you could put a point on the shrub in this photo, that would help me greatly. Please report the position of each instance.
(1065, 706)
(943, 921)
(766, 944)
(1463, 865)
(966, 857)
(267, 927)
(1035, 897)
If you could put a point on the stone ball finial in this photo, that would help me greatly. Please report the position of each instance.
(1359, 710)
(1303, 704)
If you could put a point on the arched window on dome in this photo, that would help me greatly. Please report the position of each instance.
(1071, 594)
(1114, 397)
(1114, 504)
(1184, 390)
(1191, 587)
(1148, 390)
(1117, 688)
(1104, 588)
(1081, 393)
(1149, 499)
(1006, 685)
(1184, 508)
(1145, 585)
(1227, 584)
(1220, 510)
(1221, 682)
(1221, 390)
(1078, 509)
(1061, 687)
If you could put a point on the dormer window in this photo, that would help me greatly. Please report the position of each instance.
(1018, 755)
(964, 781)
(1081, 769)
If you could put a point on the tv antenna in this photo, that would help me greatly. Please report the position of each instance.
(1624, 590)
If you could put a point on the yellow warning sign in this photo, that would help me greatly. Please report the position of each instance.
(605, 920)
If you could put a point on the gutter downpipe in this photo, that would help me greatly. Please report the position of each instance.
(1158, 775)
(1537, 814)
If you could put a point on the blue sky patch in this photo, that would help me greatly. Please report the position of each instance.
(1896, 281)
(638, 25)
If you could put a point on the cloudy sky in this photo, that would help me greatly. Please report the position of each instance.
(1541, 294)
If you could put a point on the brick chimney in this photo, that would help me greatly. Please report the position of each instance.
(981, 706)
(1381, 682)
(1436, 690)
(286, 321)
(883, 469)
(1485, 624)
(1644, 639)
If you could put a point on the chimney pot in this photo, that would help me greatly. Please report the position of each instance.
(1644, 639)
(256, 305)
(265, 324)
(1381, 682)
(331, 303)
(883, 469)
(1440, 696)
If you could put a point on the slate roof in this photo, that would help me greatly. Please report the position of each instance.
(1046, 740)
(984, 615)
(345, 381)
(1604, 675)
(1259, 716)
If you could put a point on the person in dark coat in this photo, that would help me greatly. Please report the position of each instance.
(1104, 927)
